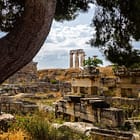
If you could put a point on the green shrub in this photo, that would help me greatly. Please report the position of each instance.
(53, 81)
(38, 127)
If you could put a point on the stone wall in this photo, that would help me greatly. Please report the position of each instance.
(131, 106)
(112, 117)
(18, 107)
(129, 82)
(94, 110)
(28, 74)
(106, 134)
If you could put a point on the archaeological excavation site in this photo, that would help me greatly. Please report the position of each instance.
(101, 103)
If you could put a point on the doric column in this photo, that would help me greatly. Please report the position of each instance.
(80, 56)
(76, 60)
(71, 59)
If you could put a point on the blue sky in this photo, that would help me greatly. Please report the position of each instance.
(67, 36)
(64, 37)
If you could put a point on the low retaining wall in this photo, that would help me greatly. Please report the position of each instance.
(105, 134)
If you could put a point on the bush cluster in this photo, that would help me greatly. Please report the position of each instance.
(39, 127)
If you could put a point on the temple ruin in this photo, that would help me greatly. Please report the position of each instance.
(76, 58)
(86, 101)
(105, 101)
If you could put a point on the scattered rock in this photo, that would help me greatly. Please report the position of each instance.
(4, 121)
(80, 127)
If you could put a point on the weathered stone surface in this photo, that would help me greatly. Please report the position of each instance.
(106, 134)
(4, 116)
(4, 119)
(131, 106)
(27, 74)
(89, 110)
(80, 127)
(113, 117)
(18, 106)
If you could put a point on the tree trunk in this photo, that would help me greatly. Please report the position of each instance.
(20, 46)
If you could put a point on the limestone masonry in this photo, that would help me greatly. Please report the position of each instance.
(76, 58)
(109, 101)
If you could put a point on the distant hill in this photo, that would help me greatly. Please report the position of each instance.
(58, 74)
(66, 74)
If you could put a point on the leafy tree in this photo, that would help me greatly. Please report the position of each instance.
(69, 9)
(92, 62)
(116, 24)
(10, 11)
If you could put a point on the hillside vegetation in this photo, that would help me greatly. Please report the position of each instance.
(58, 74)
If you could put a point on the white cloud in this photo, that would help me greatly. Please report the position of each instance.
(61, 40)
(64, 37)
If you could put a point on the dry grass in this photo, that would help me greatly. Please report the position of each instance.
(107, 71)
(59, 74)
(15, 135)
(66, 74)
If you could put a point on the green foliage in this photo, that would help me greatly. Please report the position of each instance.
(117, 25)
(69, 9)
(92, 62)
(10, 12)
(53, 81)
(135, 65)
(39, 127)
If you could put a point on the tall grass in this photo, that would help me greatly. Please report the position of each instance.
(38, 127)
(41, 129)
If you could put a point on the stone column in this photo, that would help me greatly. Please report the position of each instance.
(71, 59)
(82, 58)
(76, 60)
(74, 57)
(94, 57)
(79, 59)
